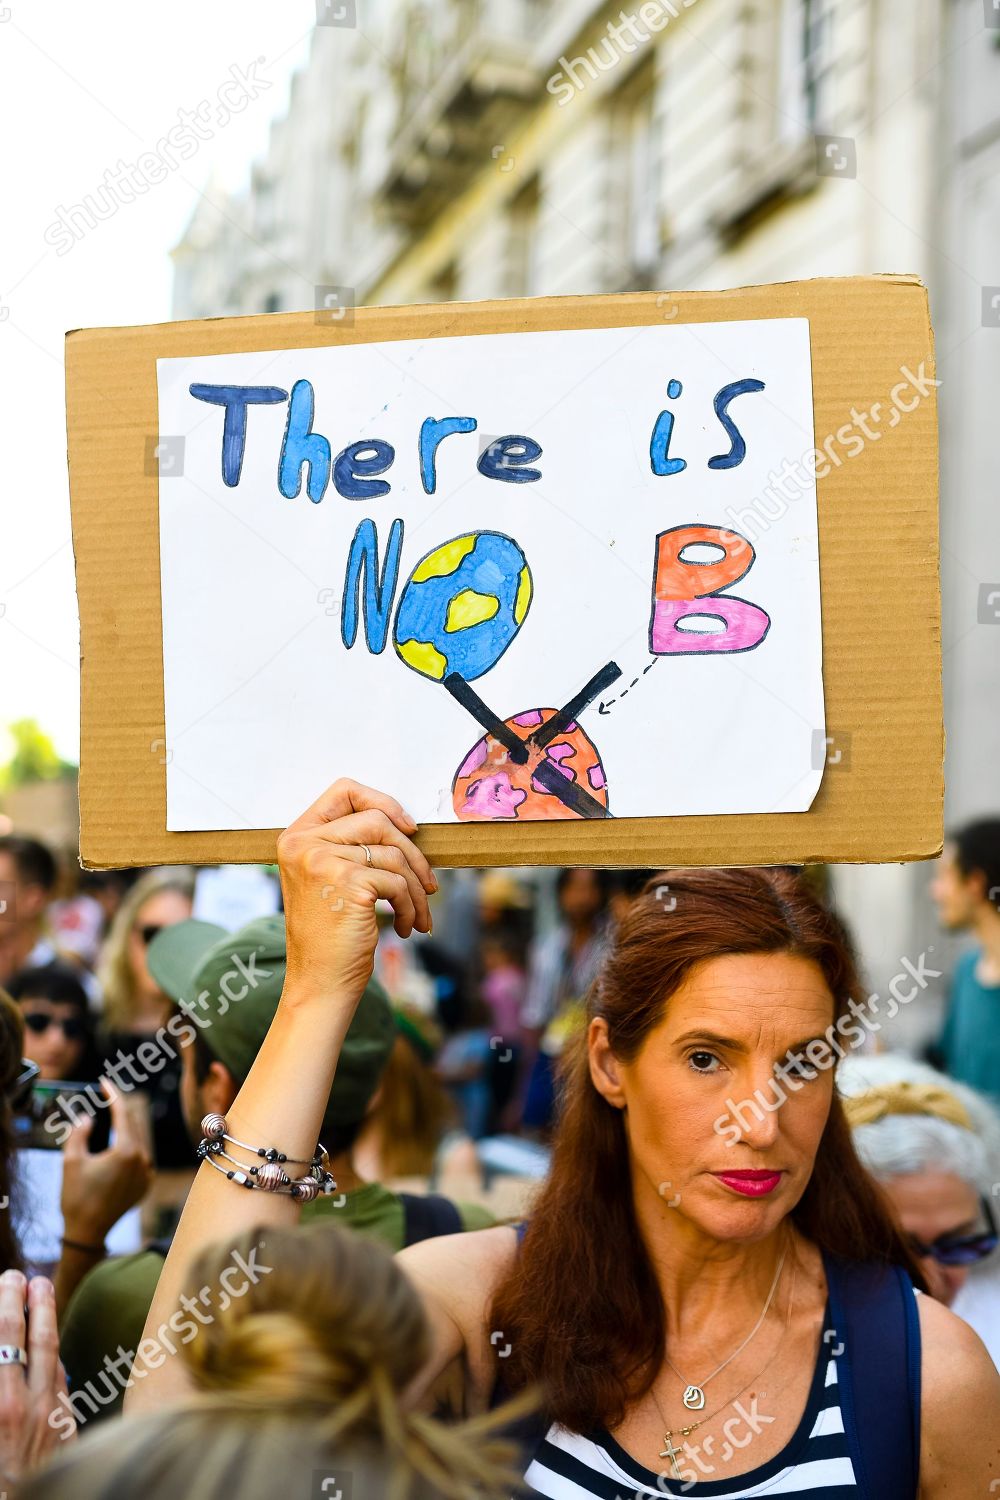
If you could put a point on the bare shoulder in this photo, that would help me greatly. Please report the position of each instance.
(952, 1352)
(456, 1265)
(456, 1276)
(460, 1272)
(959, 1407)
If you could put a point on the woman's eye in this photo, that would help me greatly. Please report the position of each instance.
(703, 1062)
(801, 1069)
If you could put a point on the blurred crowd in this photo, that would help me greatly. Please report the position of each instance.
(481, 1009)
(447, 1091)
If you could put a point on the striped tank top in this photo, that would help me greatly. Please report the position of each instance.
(815, 1460)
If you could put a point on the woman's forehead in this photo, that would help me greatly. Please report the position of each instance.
(753, 986)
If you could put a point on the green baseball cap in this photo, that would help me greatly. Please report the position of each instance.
(229, 984)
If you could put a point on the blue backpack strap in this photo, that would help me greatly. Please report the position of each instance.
(529, 1431)
(874, 1313)
(500, 1392)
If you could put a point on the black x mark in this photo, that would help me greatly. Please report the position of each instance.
(571, 793)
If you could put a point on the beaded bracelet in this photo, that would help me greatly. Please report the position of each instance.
(270, 1177)
(214, 1128)
(305, 1189)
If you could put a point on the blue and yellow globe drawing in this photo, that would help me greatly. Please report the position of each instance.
(462, 606)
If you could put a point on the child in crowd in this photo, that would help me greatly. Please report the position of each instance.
(58, 1028)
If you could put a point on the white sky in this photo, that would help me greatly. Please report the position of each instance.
(82, 88)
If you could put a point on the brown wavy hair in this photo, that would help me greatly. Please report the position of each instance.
(581, 1309)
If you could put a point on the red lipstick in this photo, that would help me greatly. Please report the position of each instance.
(751, 1184)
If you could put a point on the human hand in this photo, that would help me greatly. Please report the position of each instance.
(97, 1189)
(30, 1396)
(330, 889)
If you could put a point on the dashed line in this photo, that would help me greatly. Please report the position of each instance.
(605, 704)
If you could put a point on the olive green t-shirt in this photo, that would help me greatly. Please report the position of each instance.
(104, 1321)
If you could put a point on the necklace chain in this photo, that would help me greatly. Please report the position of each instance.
(754, 1330)
(686, 1432)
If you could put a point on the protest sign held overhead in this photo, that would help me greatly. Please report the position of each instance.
(588, 571)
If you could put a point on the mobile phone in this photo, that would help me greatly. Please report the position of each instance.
(52, 1104)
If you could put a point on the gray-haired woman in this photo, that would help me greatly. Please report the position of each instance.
(934, 1145)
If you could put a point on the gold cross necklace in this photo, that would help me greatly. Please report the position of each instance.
(669, 1451)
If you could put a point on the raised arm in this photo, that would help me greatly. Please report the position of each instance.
(330, 890)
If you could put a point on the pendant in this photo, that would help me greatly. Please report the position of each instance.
(694, 1398)
(672, 1453)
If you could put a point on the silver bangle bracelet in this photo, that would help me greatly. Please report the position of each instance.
(214, 1128)
(305, 1188)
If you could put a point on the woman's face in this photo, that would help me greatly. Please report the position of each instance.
(54, 1035)
(931, 1205)
(714, 1134)
(160, 910)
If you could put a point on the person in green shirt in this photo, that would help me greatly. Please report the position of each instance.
(226, 987)
(966, 888)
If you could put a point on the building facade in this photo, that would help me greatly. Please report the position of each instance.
(463, 150)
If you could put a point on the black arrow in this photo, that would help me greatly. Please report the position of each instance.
(605, 708)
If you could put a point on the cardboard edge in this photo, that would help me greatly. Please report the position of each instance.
(443, 309)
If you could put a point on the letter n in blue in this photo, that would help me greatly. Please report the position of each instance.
(379, 592)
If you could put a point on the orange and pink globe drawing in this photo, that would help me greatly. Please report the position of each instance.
(489, 786)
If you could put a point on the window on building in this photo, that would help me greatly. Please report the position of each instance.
(522, 243)
(636, 195)
(787, 68)
(804, 67)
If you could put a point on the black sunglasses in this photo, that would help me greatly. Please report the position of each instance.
(961, 1249)
(38, 1021)
(149, 930)
(19, 1092)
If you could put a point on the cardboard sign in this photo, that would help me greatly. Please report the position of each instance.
(610, 580)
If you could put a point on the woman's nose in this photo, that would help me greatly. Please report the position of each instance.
(754, 1109)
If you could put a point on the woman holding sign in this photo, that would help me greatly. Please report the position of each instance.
(710, 1294)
